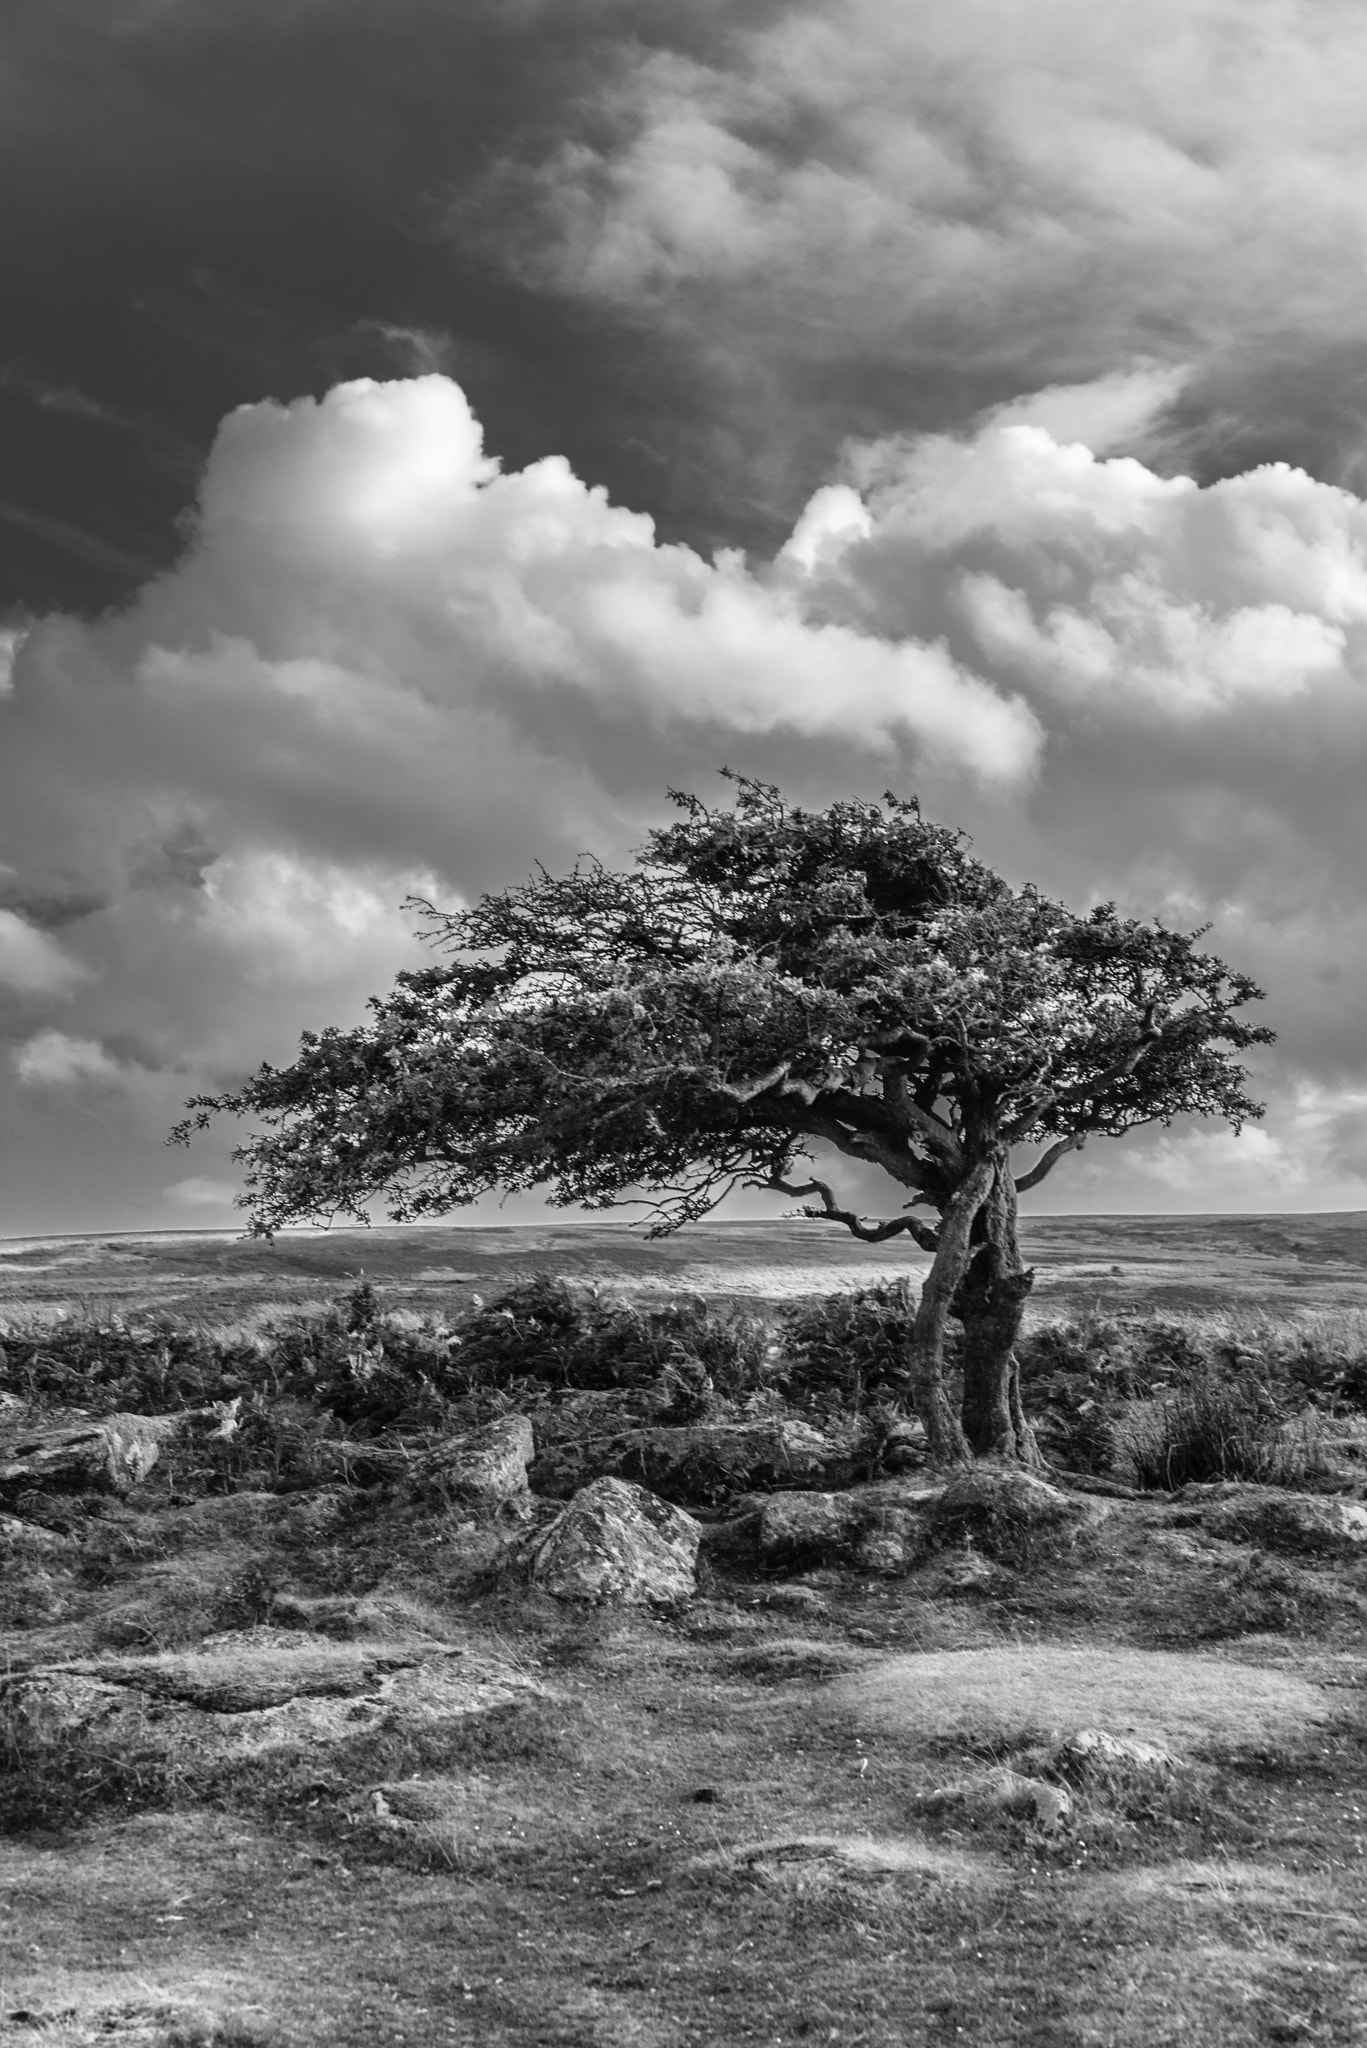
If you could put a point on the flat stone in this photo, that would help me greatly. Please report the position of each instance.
(771, 1856)
(248, 1695)
(1312, 1524)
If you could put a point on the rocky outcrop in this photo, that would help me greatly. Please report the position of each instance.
(104, 1454)
(251, 1693)
(480, 1473)
(862, 1529)
(999, 1506)
(616, 1544)
(698, 1464)
(1307, 1524)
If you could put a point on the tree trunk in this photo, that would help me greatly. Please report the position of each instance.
(945, 1439)
(990, 1303)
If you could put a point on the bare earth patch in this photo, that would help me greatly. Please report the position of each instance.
(1186, 1703)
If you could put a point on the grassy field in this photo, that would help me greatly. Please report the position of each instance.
(1188, 1262)
(728, 1821)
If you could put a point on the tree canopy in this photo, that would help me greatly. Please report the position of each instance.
(767, 983)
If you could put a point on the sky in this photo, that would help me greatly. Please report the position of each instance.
(429, 433)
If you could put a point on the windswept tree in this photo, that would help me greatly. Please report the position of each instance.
(765, 986)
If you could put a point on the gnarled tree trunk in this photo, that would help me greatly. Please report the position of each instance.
(945, 1438)
(990, 1303)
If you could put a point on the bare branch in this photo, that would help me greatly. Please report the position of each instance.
(830, 1212)
(1048, 1161)
(746, 1091)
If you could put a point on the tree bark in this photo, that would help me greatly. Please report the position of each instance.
(945, 1438)
(990, 1303)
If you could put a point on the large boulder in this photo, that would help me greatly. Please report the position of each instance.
(1309, 1524)
(1002, 1506)
(617, 1544)
(102, 1454)
(482, 1472)
(699, 1464)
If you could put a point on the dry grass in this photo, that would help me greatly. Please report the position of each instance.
(1011, 1695)
(709, 1835)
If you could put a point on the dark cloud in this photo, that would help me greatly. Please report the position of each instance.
(687, 265)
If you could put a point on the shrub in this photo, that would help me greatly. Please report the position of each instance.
(847, 1351)
(143, 1364)
(1216, 1426)
(553, 1335)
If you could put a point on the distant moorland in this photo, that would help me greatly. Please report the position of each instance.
(1278, 1263)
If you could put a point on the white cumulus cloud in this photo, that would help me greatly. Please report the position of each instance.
(55, 1059)
(32, 961)
(386, 667)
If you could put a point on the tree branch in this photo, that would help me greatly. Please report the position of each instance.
(1055, 1098)
(830, 1212)
(1048, 1161)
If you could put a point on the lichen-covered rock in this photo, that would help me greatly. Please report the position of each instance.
(699, 1464)
(482, 1472)
(1307, 1523)
(858, 1528)
(29, 1539)
(999, 1505)
(797, 1529)
(1092, 1753)
(617, 1544)
(106, 1454)
(250, 1694)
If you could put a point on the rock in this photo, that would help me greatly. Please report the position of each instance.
(796, 1599)
(1004, 1792)
(108, 1454)
(699, 1464)
(890, 1541)
(799, 1859)
(1093, 1753)
(1000, 1505)
(859, 1528)
(904, 1447)
(253, 1693)
(482, 1472)
(29, 1539)
(49, 1713)
(616, 1543)
(797, 1529)
(958, 1574)
(1309, 1523)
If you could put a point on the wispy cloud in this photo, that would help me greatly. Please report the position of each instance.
(21, 383)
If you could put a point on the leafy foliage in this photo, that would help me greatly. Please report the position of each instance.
(765, 977)
(846, 1352)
